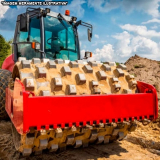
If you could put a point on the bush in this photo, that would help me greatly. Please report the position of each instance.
(117, 63)
(5, 49)
(135, 75)
(139, 66)
(136, 66)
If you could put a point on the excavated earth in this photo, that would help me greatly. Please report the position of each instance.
(144, 143)
(145, 70)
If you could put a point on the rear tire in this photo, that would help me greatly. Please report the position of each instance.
(4, 79)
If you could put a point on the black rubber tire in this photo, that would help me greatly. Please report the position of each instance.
(4, 79)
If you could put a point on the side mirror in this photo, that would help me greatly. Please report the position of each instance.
(24, 22)
(87, 55)
(89, 35)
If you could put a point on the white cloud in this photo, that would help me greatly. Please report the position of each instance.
(154, 27)
(82, 53)
(126, 46)
(154, 20)
(103, 6)
(96, 36)
(148, 6)
(3, 9)
(105, 53)
(80, 43)
(103, 42)
(122, 45)
(145, 46)
(140, 30)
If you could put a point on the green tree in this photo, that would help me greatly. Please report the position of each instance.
(5, 49)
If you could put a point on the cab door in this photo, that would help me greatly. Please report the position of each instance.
(24, 40)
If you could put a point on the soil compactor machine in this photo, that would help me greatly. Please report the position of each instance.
(55, 99)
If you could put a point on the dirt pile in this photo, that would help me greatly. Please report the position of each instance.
(145, 70)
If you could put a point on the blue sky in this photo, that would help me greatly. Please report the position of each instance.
(121, 28)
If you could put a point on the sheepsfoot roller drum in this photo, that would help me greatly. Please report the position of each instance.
(58, 103)
(58, 139)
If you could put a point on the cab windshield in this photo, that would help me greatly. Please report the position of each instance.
(60, 39)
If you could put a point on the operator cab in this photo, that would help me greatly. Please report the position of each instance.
(60, 39)
(55, 35)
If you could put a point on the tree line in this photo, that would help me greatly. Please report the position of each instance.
(5, 49)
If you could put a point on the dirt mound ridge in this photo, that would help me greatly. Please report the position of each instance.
(146, 70)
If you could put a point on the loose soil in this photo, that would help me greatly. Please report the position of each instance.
(144, 144)
(145, 70)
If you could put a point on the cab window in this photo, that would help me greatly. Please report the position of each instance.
(25, 50)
